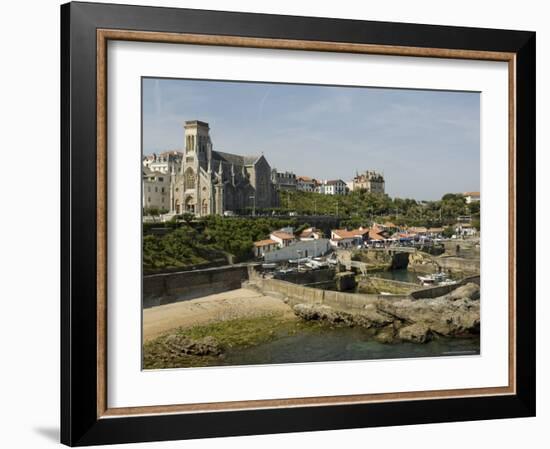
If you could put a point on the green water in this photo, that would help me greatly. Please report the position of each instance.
(402, 275)
(344, 344)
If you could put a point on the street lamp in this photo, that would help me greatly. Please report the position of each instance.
(253, 197)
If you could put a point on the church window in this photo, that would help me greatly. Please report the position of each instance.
(189, 179)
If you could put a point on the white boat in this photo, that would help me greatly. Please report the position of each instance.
(317, 263)
(286, 270)
(447, 282)
(269, 266)
(302, 260)
(434, 278)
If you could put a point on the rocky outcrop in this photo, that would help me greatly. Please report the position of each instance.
(417, 333)
(179, 344)
(418, 321)
(368, 318)
(422, 262)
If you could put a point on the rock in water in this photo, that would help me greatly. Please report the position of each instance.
(440, 315)
(417, 333)
(367, 318)
(385, 335)
(415, 320)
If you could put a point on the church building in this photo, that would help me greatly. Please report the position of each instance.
(212, 182)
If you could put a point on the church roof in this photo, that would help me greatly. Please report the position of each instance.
(235, 159)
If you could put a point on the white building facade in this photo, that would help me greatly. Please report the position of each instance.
(332, 187)
(306, 184)
(155, 191)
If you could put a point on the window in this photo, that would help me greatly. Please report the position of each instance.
(189, 180)
(161, 179)
(162, 189)
(156, 189)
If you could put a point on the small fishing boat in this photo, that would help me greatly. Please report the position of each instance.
(433, 279)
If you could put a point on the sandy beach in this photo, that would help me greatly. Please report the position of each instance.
(241, 303)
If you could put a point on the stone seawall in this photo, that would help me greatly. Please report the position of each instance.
(440, 290)
(159, 289)
(308, 295)
(373, 284)
(308, 277)
(458, 264)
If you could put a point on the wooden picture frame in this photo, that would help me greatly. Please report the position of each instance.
(86, 29)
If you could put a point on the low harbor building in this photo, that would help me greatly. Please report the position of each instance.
(282, 237)
(342, 238)
(262, 247)
(310, 234)
(299, 250)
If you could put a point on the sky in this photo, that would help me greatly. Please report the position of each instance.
(426, 143)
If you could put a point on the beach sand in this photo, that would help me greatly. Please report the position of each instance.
(241, 303)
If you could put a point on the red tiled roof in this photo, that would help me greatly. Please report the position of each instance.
(373, 235)
(264, 243)
(345, 234)
(283, 235)
(309, 231)
(418, 229)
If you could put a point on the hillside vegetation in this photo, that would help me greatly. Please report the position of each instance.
(361, 207)
(208, 239)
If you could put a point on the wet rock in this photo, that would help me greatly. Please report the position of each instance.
(180, 344)
(416, 333)
(311, 312)
(385, 335)
(441, 315)
(367, 318)
(417, 320)
(470, 291)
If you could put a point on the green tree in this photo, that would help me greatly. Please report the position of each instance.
(448, 232)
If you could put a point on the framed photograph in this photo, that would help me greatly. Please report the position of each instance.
(282, 224)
